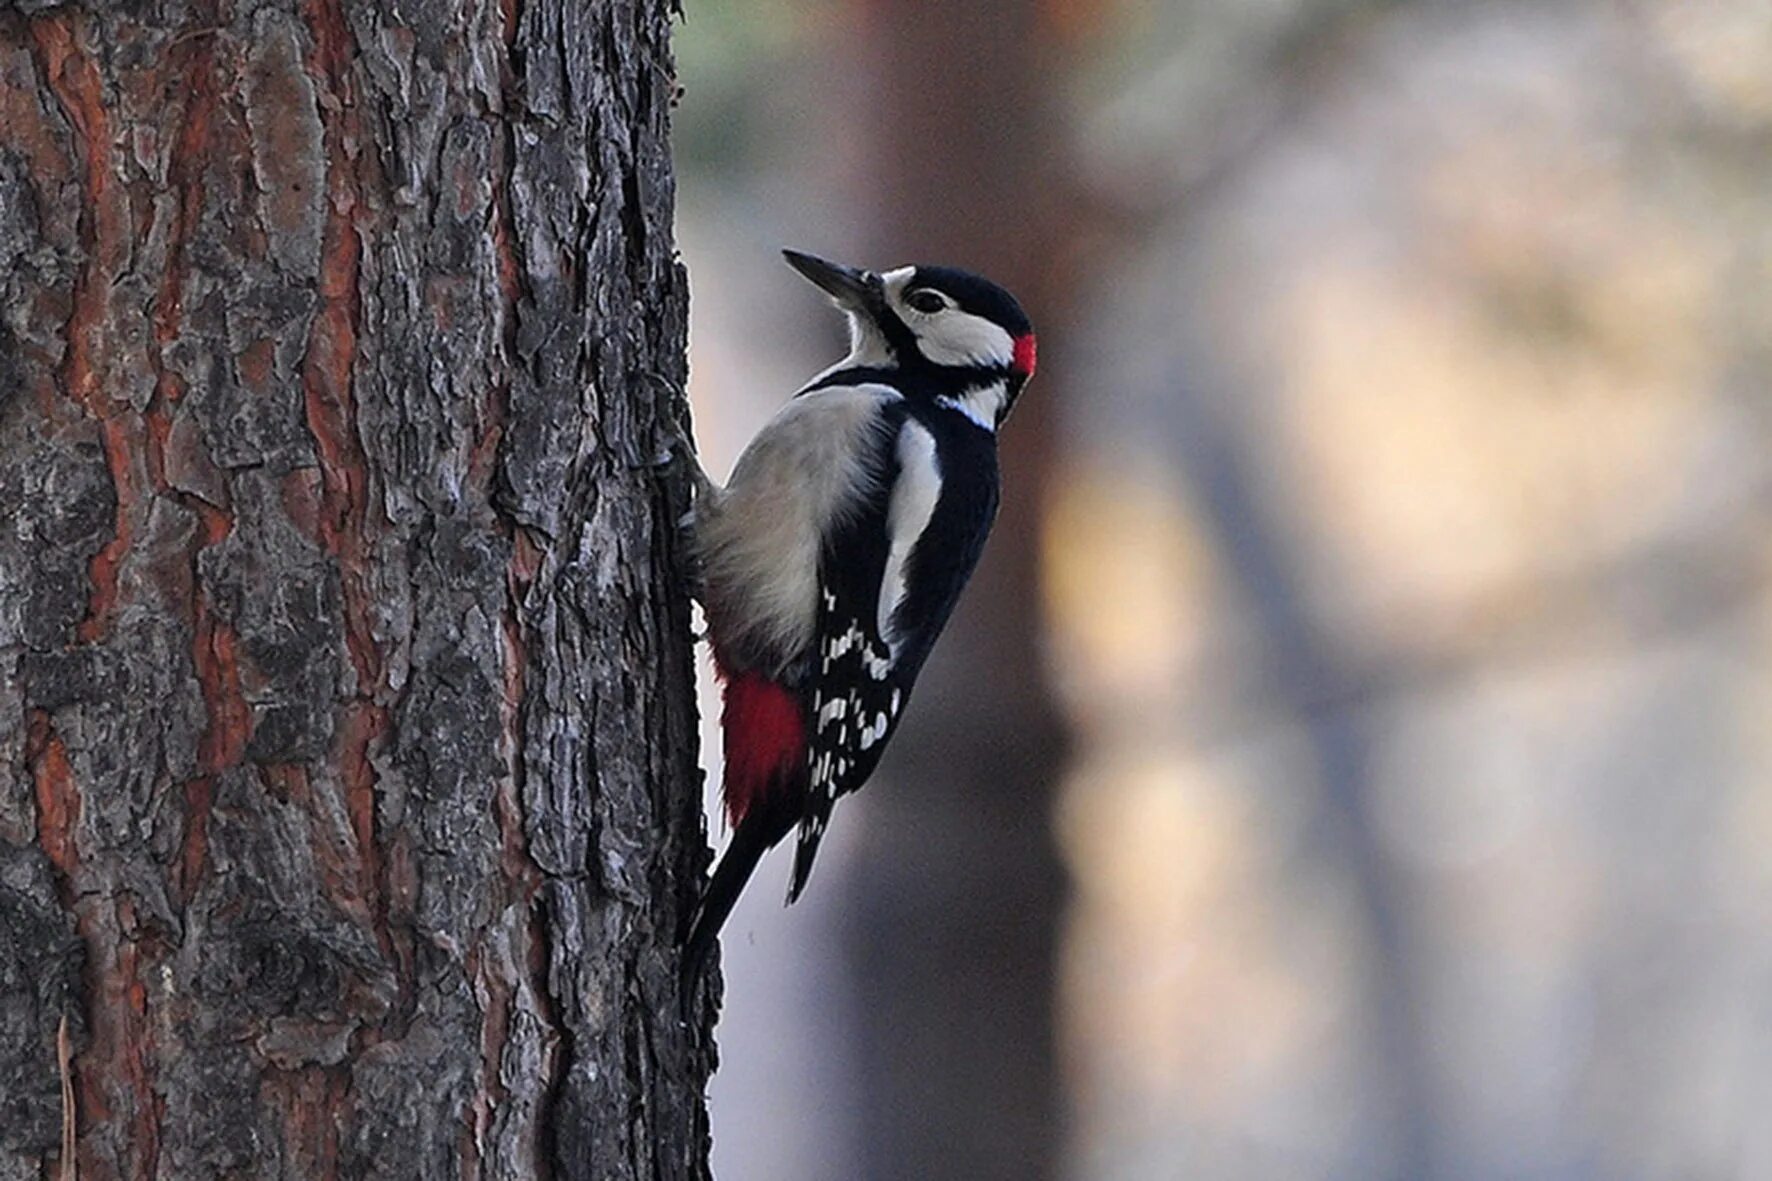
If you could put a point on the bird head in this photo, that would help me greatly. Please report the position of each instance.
(958, 327)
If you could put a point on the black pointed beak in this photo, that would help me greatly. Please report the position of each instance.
(854, 289)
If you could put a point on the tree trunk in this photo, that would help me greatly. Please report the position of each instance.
(954, 939)
(348, 802)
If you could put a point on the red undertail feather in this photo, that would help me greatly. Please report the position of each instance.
(765, 737)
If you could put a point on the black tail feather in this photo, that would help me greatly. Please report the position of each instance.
(750, 841)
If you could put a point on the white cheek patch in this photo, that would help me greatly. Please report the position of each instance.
(952, 337)
(961, 338)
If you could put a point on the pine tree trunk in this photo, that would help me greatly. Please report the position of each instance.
(348, 801)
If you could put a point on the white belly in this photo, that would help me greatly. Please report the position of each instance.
(758, 540)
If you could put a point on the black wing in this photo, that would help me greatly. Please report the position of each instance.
(859, 693)
(853, 676)
(860, 678)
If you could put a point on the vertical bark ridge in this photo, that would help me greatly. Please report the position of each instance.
(58, 799)
(74, 81)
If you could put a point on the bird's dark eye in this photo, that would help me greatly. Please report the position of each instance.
(925, 300)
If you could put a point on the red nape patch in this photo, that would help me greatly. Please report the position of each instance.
(765, 735)
(1024, 354)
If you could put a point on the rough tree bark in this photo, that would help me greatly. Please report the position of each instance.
(347, 785)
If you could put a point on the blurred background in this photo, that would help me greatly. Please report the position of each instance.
(1354, 757)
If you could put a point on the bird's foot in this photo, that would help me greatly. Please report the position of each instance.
(681, 445)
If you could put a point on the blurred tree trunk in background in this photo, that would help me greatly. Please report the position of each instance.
(1310, 678)
(959, 891)
(347, 792)
(1307, 671)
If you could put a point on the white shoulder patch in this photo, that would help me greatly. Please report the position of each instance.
(914, 494)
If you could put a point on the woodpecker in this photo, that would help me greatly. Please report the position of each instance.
(831, 560)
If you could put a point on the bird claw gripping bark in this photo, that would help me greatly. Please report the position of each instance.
(680, 445)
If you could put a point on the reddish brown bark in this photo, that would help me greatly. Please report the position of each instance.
(347, 793)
